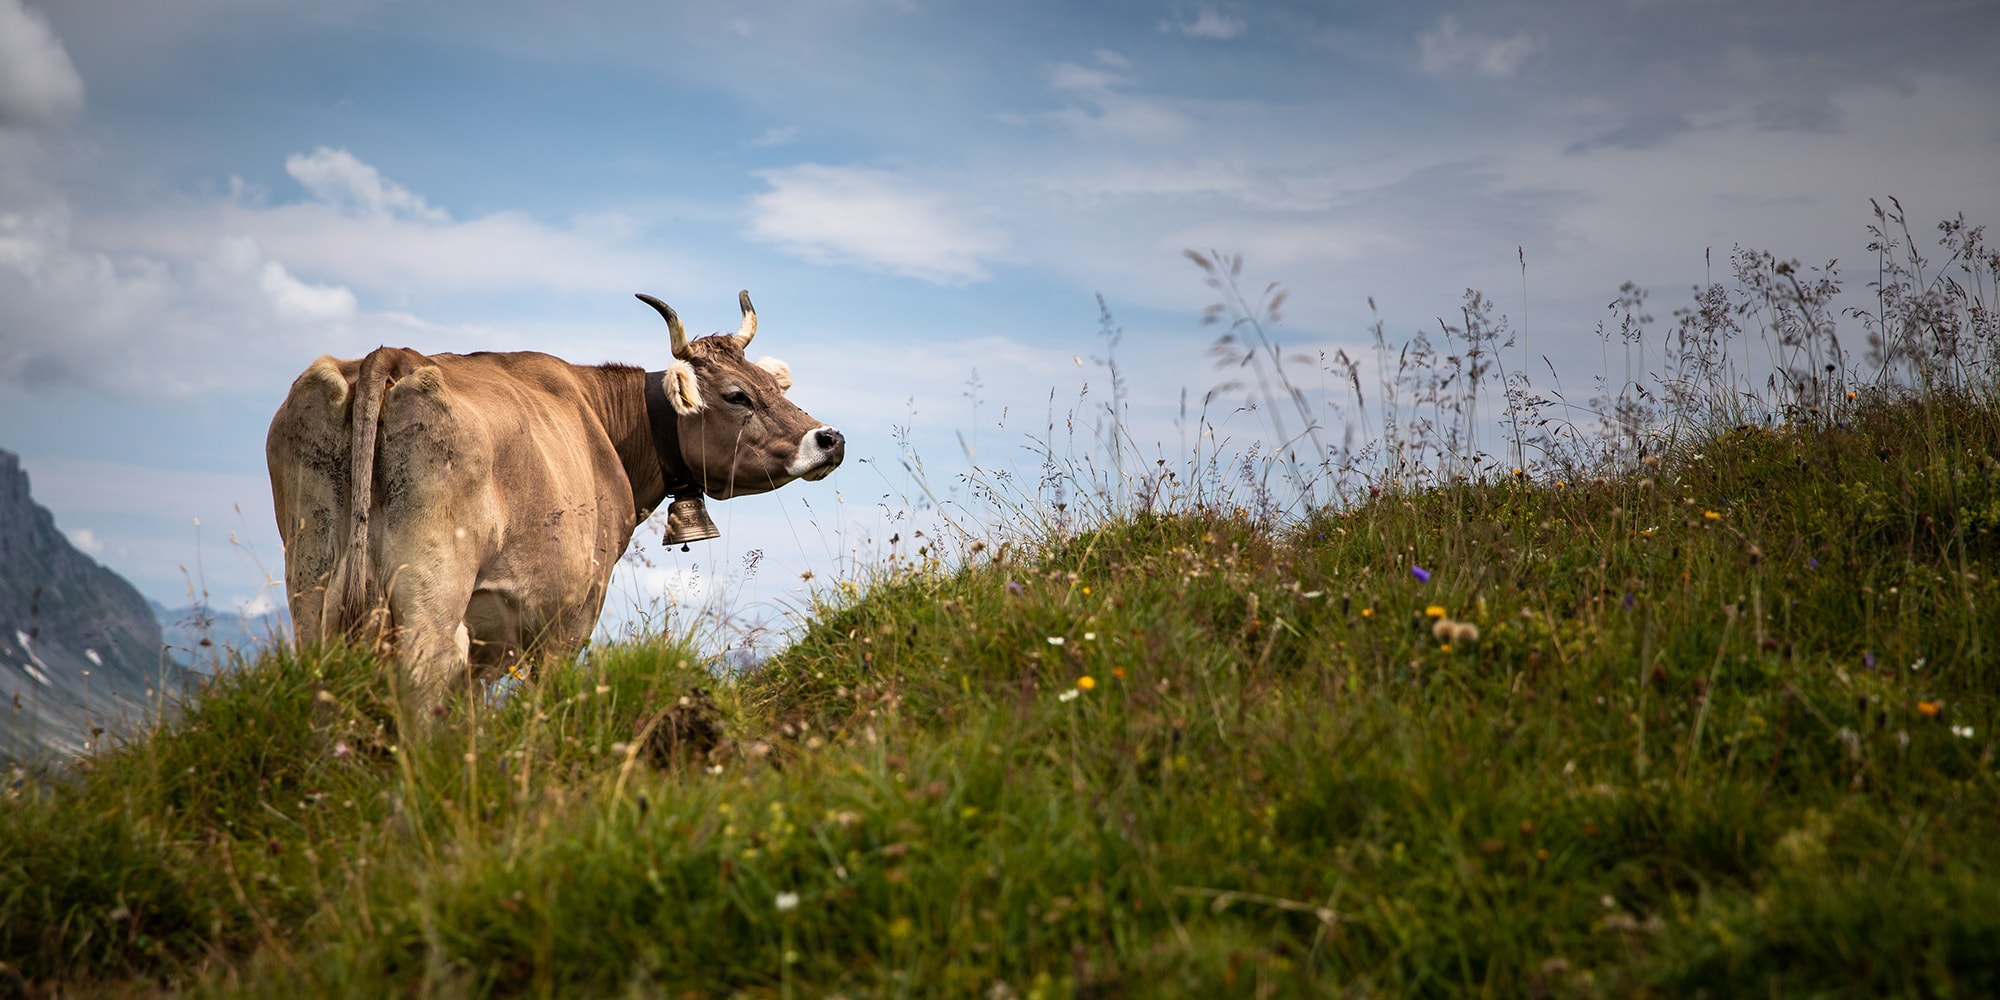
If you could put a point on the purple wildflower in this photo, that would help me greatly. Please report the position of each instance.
(1868, 660)
(1013, 587)
(1423, 575)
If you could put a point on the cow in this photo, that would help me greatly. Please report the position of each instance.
(467, 510)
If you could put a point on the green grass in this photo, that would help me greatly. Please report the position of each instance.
(1706, 741)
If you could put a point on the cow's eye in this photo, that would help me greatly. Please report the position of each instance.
(736, 397)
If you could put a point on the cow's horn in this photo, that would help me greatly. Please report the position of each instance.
(674, 328)
(749, 327)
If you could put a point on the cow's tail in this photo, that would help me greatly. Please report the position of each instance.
(347, 599)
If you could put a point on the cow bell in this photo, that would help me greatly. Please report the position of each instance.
(687, 521)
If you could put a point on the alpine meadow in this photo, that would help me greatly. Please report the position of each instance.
(1455, 681)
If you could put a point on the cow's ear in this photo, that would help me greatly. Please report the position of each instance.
(683, 389)
(779, 370)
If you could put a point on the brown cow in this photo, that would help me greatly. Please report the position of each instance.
(468, 509)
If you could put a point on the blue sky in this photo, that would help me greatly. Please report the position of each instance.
(197, 197)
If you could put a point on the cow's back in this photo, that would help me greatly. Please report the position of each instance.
(495, 503)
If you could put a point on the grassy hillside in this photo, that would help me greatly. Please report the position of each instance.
(1696, 700)
(1725, 725)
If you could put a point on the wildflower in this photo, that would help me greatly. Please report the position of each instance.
(787, 902)
(1423, 575)
(1711, 515)
(1055, 640)
(1962, 732)
(1441, 629)
(1929, 709)
(1118, 672)
(1650, 461)
(1517, 472)
(1014, 587)
(1434, 611)
(1464, 632)
(1868, 660)
(1086, 591)
(341, 750)
(1446, 648)
(1069, 695)
(1367, 612)
(1852, 395)
(1090, 637)
(1085, 683)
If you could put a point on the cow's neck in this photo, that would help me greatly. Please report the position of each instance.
(677, 479)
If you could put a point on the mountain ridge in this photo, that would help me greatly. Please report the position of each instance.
(82, 655)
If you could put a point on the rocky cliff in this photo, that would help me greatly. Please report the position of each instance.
(81, 656)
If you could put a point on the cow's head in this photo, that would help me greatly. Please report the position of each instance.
(738, 434)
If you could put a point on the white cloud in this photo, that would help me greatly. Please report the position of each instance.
(1207, 23)
(87, 540)
(337, 178)
(146, 324)
(1109, 112)
(233, 295)
(288, 297)
(387, 242)
(1447, 48)
(38, 84)
(873, 218)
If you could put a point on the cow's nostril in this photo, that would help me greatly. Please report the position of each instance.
(827, 438)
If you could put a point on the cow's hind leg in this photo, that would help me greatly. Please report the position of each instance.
(435, 491)
(307, 453)
(427, 614)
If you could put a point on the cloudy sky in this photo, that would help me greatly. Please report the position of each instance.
(197, 197)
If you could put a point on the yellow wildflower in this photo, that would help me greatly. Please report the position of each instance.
(1086, 682)
(1434, 611)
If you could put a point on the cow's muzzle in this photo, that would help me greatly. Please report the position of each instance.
(819, 454)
